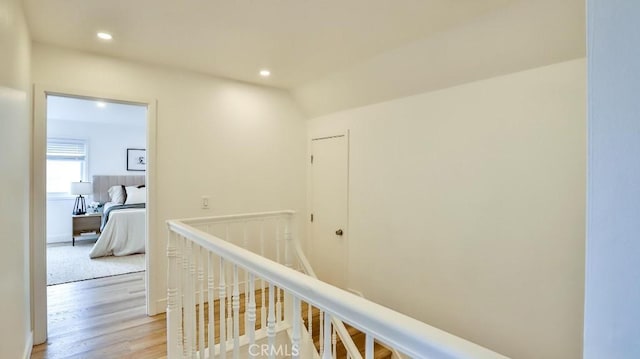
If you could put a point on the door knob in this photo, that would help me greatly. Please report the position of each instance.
(339, 232)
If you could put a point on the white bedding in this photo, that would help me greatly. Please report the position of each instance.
(123, 234)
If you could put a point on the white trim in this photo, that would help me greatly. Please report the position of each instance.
(38, 217)
(39, 198)
(152, 190)
(28, 346)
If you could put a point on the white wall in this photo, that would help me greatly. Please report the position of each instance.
(612, 292)
(467, 208)
(242, 145)
(15, 145)
(107, 145)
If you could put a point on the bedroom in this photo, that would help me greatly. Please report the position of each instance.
(95, 157)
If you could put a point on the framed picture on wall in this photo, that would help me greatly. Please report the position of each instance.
(136, 159)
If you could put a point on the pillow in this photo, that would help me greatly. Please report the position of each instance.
(117, 194)
(136, 195)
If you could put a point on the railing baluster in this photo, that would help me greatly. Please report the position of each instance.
(190, 301)
(295, 337)
(251, 315)
(229, 294)
(278, 305)
(310, 320)
(173, 312)
(236, 314)
(271, 324)
(211, 305)
(326, 353)
(321, 331)
(245, 241)
(185, 299)
(334, 342)
(368, 347)
(263, 306)
(201, 345)
(222, 297)
(182, 266)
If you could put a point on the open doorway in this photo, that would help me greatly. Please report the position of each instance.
(38, 225)
(96, 195)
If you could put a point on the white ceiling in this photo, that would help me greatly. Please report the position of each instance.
(298, 40)
(524, 35)
(77, 109)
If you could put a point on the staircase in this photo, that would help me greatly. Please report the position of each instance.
(358, 337)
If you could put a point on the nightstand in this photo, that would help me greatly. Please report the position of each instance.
(85, 223)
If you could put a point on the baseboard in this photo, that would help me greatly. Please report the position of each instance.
(58, 238)
(161, 306)
(28, 346)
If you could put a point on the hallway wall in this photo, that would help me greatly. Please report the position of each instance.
(15, 160)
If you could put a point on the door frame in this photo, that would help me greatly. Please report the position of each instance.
(38, 247)
(309, 245)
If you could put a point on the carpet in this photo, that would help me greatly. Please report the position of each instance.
(71, 264)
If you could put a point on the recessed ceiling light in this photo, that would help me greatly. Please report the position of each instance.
(265, 73)
(101, 104)
(105, 36)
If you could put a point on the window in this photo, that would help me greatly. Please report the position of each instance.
(66, 163)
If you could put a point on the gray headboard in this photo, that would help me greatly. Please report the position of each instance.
(101, 185)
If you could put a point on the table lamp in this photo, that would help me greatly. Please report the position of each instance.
(80, 189)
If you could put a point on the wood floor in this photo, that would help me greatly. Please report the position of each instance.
(102, 318)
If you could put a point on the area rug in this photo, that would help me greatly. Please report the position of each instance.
(71, 264)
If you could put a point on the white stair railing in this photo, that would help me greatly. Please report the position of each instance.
(274, 290)
(339, 327)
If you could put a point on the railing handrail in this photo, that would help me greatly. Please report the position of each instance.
(235, 217)
(408, 335)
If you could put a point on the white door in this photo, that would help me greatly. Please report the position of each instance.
(329, 168)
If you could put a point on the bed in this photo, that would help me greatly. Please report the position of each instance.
(123, 229)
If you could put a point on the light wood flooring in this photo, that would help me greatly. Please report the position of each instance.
(102, 318)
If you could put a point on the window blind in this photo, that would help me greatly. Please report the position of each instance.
(62, 149)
